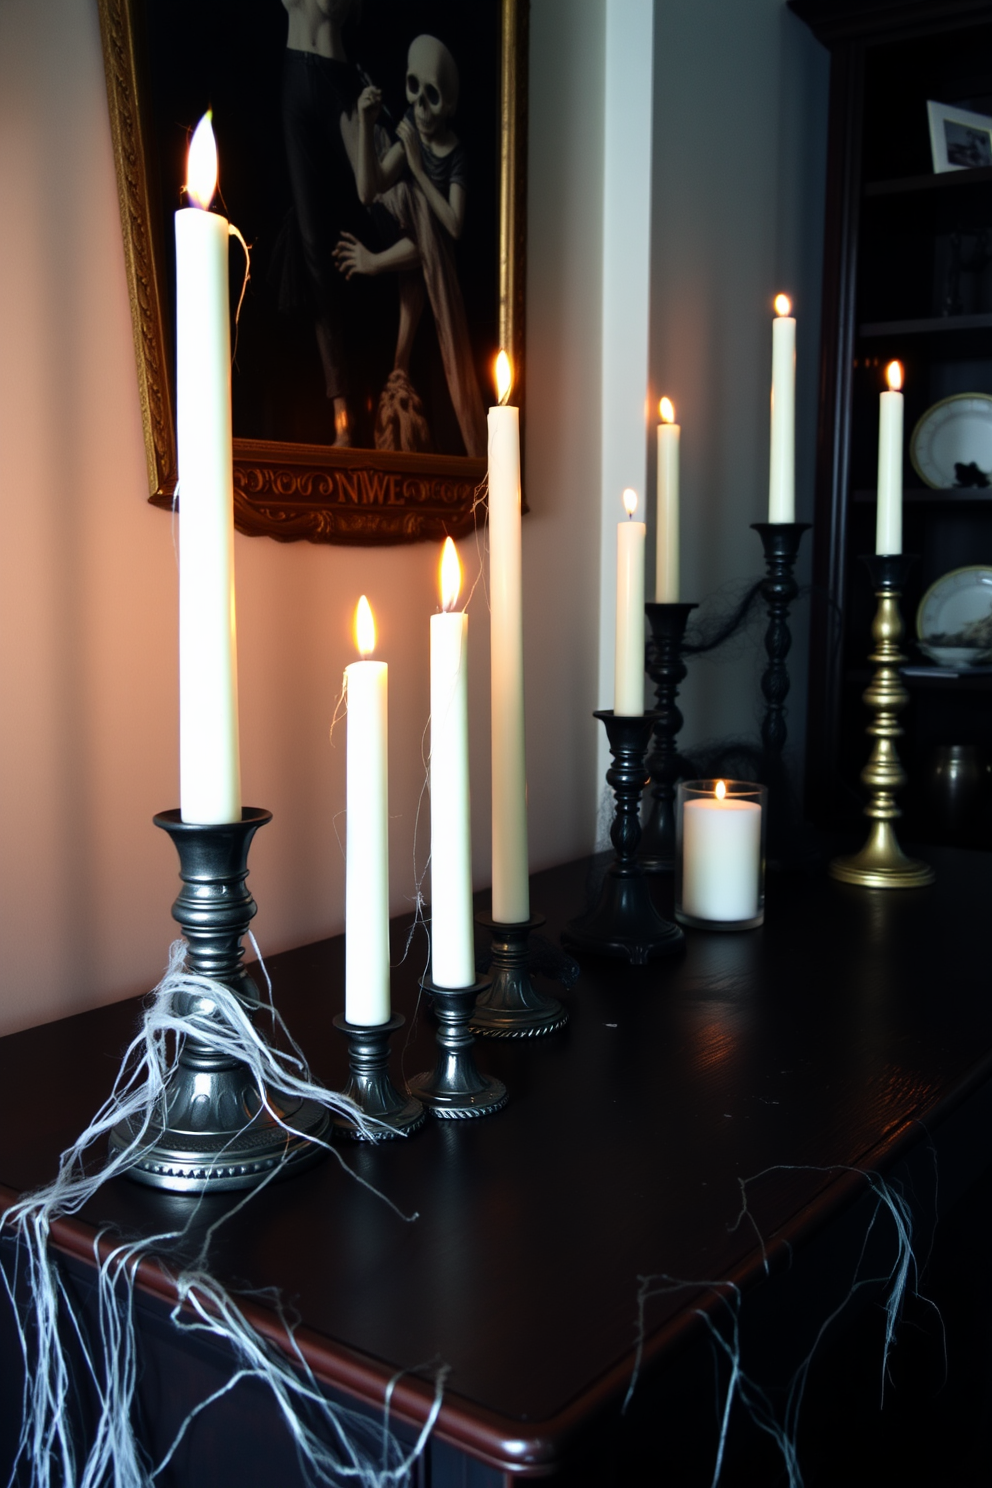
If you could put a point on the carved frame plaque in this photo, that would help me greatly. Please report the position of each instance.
(311, 492)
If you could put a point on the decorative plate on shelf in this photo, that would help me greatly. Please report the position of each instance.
(954, 620)
(952, 443)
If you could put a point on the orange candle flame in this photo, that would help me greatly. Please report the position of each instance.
(666, 410)
(630, 501)
(504, 377)
(364, 628)
(721, 789)
(783, 305)
(451, 575)
(201, 164)
(893, 376)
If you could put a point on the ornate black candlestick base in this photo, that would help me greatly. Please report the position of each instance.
(625, 922)
(454, 1089)
(511, 1007)
(216, 1134)
(371, 1088)
(785, 843)
(666, 670)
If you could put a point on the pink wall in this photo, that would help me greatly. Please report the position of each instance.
(88, 671)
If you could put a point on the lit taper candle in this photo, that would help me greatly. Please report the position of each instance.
(628, 676)
(666, 580)
(782, 467)
(888, 519)
(366, 980)
(511, 889)
(209, 755)
(452, 937)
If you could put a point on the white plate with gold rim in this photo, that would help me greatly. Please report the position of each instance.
(951, 445)
(955, 615)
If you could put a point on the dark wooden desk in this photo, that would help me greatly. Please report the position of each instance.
(853, 1031)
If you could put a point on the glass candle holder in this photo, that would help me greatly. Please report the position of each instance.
(720, 854)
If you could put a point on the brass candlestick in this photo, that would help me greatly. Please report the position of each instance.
(881, 863)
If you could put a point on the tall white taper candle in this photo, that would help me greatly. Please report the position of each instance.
(209, 756)
(628, 675)
(366, 912)
(666, 581)
(782, 468)
(888, 517)
(452, 938)
(511, 888)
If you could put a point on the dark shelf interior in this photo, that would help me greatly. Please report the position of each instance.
(927, 325)
(955, 180)
(973, 495)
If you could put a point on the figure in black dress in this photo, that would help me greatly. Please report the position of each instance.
(319, 109)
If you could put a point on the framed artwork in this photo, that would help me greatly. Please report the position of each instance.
(372, 153)
(959, 139)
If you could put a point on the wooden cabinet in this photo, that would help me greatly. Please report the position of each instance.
(895, 232)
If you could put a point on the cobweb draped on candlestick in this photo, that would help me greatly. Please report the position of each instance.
(333, 1444)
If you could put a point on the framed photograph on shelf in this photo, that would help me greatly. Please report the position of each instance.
(959, 139)
(372, 153)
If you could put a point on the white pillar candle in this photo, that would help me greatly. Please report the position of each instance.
(366, 978)
(209, 756)
(721, 857)
(628, 675)
(782, 469)
(511, 888)
(888, 519)
(666, 583)
(452, 936)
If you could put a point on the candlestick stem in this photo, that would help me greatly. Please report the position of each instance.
(780, 541)
(455, 1089)
(370, 1087)
(216, 1134)
(625, 922)
(881, 863)
(512, 1007)
(666, 669)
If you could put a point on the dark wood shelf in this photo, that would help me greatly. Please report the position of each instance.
(946, 180)
(930, 325)
(973, 495)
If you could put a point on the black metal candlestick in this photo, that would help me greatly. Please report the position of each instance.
(624, 921)
(455, 1089)
(370, 1087)
(666, 669)
(786, 844)
(511, 1007)
(216, 1134)
(780, 541)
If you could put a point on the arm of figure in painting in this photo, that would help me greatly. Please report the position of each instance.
(450, 210)
(372, 175)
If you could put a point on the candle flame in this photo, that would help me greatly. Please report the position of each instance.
(364, 628)
(783, 305)
(630, 501)
(504, 377)
(721, 789)
(893, 376)
(201, 164)
(451, 575)
(666, 409)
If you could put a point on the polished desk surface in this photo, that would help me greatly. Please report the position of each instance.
(841, 1034)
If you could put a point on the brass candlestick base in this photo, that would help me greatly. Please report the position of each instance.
(881, 863)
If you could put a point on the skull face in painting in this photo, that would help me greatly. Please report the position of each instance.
(431, 84)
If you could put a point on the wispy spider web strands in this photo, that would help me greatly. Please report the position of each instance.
(333, 1444)
(721, 1314)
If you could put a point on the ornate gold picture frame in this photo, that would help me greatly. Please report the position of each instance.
(293, 489)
